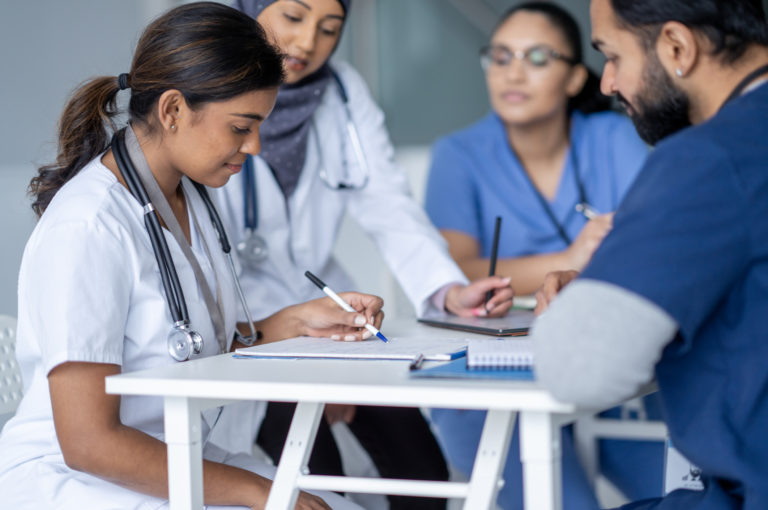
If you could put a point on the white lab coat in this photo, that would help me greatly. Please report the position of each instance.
(301, 232)
(90, 291)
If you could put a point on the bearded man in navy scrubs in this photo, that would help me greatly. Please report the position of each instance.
(679, 289)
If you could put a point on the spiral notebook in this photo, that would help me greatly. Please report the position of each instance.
(500, 354)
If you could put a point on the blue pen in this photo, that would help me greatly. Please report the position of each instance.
(331, 294)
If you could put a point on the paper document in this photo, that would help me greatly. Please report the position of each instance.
(407, 348)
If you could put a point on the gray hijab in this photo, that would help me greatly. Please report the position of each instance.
(285, 133)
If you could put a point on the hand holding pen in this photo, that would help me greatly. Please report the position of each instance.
(345, 301)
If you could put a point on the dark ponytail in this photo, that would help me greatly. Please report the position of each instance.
(207, 51)
(589, 99)
(82, 137)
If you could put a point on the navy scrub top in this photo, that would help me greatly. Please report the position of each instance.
(692, 237)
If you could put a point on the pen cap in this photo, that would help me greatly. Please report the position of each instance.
(314, 279)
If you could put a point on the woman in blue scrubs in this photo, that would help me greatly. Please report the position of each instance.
(549, 151)
(549, 143)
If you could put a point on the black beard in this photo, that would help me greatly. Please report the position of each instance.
(661, 108)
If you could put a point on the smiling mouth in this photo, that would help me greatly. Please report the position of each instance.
(514, 97)
(295, 63)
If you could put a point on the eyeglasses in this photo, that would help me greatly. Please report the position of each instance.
(535, 57)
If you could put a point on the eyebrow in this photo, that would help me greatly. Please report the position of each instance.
(309, 8)
(253, 116)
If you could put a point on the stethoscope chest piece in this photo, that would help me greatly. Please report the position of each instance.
(252, 249)
(184, 342)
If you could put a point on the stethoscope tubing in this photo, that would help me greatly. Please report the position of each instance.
(168, 275)
(250, 200)
(170, 279)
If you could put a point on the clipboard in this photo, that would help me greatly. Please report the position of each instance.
(515, 323)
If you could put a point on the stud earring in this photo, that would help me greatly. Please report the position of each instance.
(679, 72)
(173, 127)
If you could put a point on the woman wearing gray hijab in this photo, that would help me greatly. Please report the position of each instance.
(326, 153)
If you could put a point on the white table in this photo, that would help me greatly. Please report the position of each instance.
(188, 388)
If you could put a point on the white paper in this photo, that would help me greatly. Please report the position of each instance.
(408, 348)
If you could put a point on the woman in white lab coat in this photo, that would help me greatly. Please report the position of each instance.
(91, 299)
(326, 154)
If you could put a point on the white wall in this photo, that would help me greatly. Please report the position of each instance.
(47, 47)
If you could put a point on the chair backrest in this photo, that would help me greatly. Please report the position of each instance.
(10, 377)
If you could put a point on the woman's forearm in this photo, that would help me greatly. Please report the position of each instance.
(94, 440)
(136, 461)
(527, 273)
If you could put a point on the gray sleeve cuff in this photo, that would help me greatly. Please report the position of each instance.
(598, 343)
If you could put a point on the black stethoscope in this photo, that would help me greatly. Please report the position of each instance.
(252, 250)
(183, 341)
(581, 206)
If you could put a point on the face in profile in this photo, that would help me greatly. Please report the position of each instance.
(636, 77)
(306, 31)
(529, 70)
(212, 142)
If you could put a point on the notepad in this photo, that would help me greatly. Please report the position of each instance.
(500, 354)
(405, 348)
(457, 369)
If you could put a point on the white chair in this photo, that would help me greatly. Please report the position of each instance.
(11, 388)
(634, 424)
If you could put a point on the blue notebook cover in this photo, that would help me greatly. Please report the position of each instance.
(457, 369)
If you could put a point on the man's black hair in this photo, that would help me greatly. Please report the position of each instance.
(731, 25)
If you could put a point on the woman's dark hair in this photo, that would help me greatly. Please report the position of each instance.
(207, 51)
(731, 25)
(590, 99)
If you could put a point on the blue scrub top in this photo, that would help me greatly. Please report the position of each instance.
(692, 237)
(475, 176)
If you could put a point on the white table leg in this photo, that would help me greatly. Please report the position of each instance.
(484, 484)
(585, 441)
(296, 452)
(541, 456)
(185, 453)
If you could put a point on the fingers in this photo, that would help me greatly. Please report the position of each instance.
(367, 304)
(542, 303)
(501, 302)
(553, 283)
(308, 501)
(331, 321)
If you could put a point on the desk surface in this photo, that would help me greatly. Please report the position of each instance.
(339, 381)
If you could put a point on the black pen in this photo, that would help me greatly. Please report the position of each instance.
(417, 362)
(494, 254)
